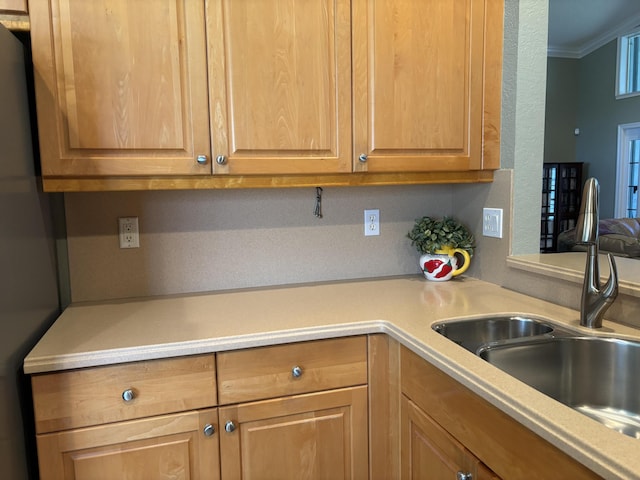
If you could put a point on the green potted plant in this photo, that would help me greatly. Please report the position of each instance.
(438, 240)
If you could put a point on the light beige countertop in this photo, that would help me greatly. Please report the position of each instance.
(88, 335)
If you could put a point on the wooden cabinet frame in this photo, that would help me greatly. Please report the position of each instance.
(334, 163)
(402, 389)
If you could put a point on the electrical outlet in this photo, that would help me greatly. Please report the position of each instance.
(128, 232)
(492, 222)
(371, 222)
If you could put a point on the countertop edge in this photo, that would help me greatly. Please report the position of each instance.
(42, 364)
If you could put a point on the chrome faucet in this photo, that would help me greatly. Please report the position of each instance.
(595, 299)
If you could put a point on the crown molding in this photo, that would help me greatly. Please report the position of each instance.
(593, 44)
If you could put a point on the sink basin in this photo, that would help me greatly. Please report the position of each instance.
(596, 376)
(472, 334)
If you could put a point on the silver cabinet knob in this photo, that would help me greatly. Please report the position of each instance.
(464, 476)
(201, 159)
(363, 157)
(296, 371)
(229, 426)
(128, 395)
(209, 430)
(221, 160)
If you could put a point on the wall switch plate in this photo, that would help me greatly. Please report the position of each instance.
(371, 222)
(128, 232)
(492, 222)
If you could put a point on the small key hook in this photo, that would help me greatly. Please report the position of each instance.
(318, 210)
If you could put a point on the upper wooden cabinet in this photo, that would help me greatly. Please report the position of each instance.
(14, 14)
(420, 82)
(17, 6)
(121, 87)
(272, 93)
(281, 77)
(280, 85)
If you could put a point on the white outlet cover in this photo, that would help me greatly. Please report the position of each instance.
(128, 232)
(371, 222)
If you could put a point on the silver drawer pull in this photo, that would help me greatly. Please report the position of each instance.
(229, 426)
(296, 371)
(128, 395)
(209, 430)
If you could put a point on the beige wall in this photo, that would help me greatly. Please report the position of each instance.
(196, 241)
(193, 241)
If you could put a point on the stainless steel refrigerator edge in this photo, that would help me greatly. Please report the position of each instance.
(29, 287)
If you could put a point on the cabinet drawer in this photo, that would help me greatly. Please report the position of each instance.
(265, 372)
(93, 396)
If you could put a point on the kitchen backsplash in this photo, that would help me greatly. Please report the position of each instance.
(195, 241)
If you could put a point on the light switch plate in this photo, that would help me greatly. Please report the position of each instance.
(492, 222)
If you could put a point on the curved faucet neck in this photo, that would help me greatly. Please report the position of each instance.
(595, 300)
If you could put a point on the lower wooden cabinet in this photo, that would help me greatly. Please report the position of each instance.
(108, 394)
(180, 447)
(505, 446)
(331, 409)
(429, 452)
(141, 420)
(284, 412)
(295, 411)
(314, 436)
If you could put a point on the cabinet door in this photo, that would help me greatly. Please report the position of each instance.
(121, 86)
(280, 85)
(171, 446)
(314, 436)
(481, 427)
(429, 452)
(419, 84)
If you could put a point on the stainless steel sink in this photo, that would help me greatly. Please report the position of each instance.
(597, 376)
(475, 333)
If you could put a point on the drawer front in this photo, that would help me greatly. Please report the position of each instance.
(267, 372)
(93, 396)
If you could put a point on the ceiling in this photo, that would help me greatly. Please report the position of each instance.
(578, 27)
